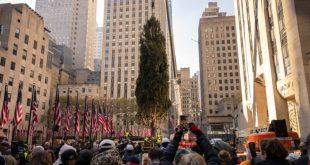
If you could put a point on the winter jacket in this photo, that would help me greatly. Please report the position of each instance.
(204, 144)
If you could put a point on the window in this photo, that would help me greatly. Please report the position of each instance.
(15, 47)
(39, 77)
(46, 80)
(2, 61)
(42, 49)
(41, 63)
(44, 92)
(26, 40)
(35, 45)
(17, 32)
(12, 65)
(43, 105)
(28, 104)
(31, 74)
(11, 81)
(83, 90)
(22, 70)
(33, 61)
(1, 78)
(24, 54)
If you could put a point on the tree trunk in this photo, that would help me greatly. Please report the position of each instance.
(153, 130)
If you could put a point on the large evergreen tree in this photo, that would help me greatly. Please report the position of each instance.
(152, 91)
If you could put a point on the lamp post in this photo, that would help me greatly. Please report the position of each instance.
(234, 128)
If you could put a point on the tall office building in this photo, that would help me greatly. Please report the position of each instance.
(274, 55)
(98, 49)
(72, 23)
(123, 22)
(219, 69)
(23, 59)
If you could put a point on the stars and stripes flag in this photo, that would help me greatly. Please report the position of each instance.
(100, 116)
(34, 108)
(57, 112)
(18, 114)
(5, 107)
(76, 115)
(67, 113)
(94, 117)
(86, 120)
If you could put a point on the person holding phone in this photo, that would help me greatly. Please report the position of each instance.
(210, 157)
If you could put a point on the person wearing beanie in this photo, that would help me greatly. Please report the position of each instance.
(108, 157)
(68, 157)
(164, 143)
(64, 148)
(129, 152)
(106, 144)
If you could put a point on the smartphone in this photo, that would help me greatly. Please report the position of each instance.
(252, 148)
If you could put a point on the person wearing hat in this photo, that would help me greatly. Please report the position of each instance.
(305, 151)
(129, 152)
(64, 148)
(68, 157)
(164, 143)
(108, 154)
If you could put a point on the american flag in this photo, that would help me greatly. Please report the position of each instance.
(34, 107)
(67, 114)
(57, 109)
(18, 115)
(5, 107)
(76, 115)
(94, 117)
(86, 120)
(100, 116)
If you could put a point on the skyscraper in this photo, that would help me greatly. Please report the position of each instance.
(98, 49)
(273, 37)
(219, 69)
(123, 22)
(72, 23)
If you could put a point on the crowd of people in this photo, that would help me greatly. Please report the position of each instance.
(107, 152)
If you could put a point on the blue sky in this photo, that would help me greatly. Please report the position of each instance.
(186, 14)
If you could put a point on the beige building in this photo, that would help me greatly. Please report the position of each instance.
(90, 90)
(273, 44)
(124, 22)
(23, 53)
(219, 68)
(72, 23)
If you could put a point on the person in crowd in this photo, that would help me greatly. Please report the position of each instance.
(108, 154)
(180, 152)
(10, 160)
(133, 161)
(84, 157)
(40, 158)
(63, 148)
(69, 157)
(225, 158)
(154, 155)
(164, 143)
(209, 155)
(274, 153)
(305, 152)
(138, 148)
(192, 159)
(129, 152)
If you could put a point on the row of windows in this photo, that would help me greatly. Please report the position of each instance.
(217, 42)
(219, 28)
(223, 48)
(222, 35)
(26, 41)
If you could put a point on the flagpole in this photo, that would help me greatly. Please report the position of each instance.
(53, 128)
(67, 113)
(84, 123)
(29, 120)
(91, 119)
(76, 113)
